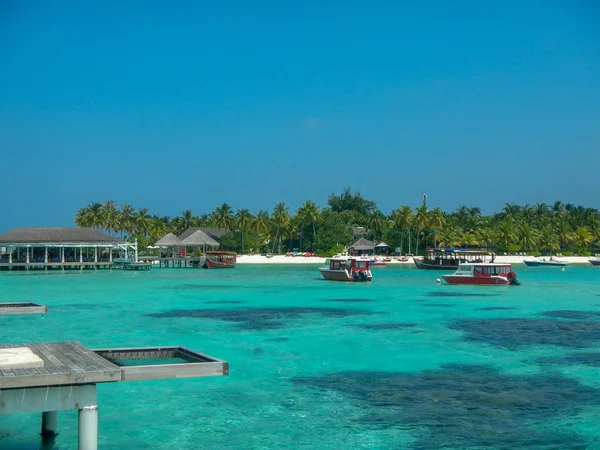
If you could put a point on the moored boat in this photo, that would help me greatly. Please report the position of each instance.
(483, 274)
(450, 258)
(536, 262)
(595, 261)
(346, 268)
(220, 260)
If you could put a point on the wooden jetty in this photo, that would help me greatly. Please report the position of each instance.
(135, 266)
(22, 308)
(70, 372)
(175, 261)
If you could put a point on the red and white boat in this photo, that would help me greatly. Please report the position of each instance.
(483, 274)
(220, 260)
(346, 268)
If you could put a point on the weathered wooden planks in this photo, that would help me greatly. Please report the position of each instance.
(64, 363)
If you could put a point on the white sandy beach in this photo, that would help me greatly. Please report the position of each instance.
(281, 259)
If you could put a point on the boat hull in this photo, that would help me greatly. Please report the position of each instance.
(595, 262)
(426, 265)
(341, 275)
(544, 263)
(210, 264)
(482, 281)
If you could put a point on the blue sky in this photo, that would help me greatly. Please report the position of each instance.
(171, 106)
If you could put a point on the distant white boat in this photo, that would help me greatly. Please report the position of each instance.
(551, 261)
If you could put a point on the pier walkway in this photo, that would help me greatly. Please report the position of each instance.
(54, 376)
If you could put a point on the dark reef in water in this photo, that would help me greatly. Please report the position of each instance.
(278, 339)
(440, 305)
(385, 326)
(464, 406)
(496, 308)
(513, 333)
(586, 358)
(258, 318)
(349, 300)
(571, 314)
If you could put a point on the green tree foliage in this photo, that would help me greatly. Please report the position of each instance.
(545, 228)
(331, 231)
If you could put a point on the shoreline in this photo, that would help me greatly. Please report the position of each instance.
(281, 259)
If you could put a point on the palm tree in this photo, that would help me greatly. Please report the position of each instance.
(436, 220)
(125, 220)
(529, 236)
(582, 237)
(243, 219)
(89, 216)
(280, 218)
(261, 226)
(157, 228)
(403, 219)
(507, 233)
(142, 222)
(308, 214)
(421, 221)
(222, 216)
(376, 222)
(109, 216)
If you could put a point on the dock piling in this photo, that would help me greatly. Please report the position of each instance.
(49, 425)
(88, 428)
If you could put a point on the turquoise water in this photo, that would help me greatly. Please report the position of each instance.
(398, 363)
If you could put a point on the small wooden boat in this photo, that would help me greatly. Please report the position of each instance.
(346, 268)
(378, 263)
(536, 262)
(220, 260)
(483, 274)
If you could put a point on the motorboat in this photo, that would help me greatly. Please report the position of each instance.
(346, 268)
(451, 258)
(483, 274)
(542, 261)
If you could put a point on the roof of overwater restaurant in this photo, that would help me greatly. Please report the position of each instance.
(215, 233)
(199, 237)
(57, 235)
(168, 239)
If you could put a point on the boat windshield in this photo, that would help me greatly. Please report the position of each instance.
(360, 264)
(464, 268)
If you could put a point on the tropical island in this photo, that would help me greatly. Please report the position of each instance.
(537, 229)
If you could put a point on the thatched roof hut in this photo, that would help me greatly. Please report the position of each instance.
(363, 244)
(198, 238)
(168, 240)
(215, 233)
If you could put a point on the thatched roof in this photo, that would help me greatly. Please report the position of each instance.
(199, 237)
(381, 245)
(168, 240)
(57, 236)
(215, 233)
(358, 231)
(363, 244)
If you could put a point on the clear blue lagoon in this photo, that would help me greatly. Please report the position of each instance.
(398, 363)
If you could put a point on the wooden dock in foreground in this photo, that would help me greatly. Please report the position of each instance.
(70, 372)
(22, 308)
